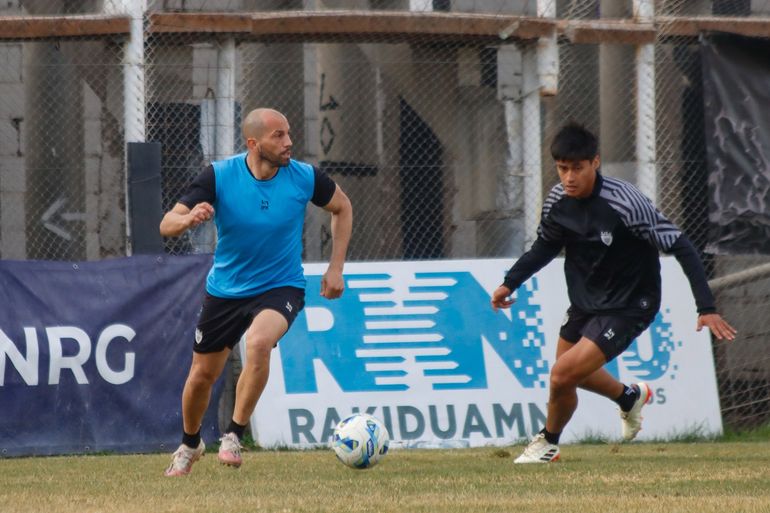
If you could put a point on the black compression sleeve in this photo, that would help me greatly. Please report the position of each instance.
(538, 256)
(688, 258)
(203, 188)
(323, 188)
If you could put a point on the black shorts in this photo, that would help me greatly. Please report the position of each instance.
(222, 321)
(612, 333)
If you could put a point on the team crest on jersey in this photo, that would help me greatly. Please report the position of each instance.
(198, 336)
(606, 238)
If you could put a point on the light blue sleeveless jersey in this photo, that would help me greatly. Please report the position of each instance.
(259, 228)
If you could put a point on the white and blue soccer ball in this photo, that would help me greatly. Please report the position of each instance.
(360, 441)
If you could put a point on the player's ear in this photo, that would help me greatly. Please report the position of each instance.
(596, 162)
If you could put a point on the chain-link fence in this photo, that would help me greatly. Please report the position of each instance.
(743, 367)
(435, 136)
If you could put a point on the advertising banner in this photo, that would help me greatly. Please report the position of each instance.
(417, 345)
(94, 355)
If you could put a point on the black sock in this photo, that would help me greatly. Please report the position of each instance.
(629, 396)
(192, 441)
(551, 438)
(236, 428)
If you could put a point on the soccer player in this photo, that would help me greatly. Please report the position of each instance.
(256, 284)
(611, 235)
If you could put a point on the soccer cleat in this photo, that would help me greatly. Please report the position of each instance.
(631, 420)
(539, 451)
(230, 450)
(184, 457)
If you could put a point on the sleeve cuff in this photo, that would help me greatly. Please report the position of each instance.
(510, 284)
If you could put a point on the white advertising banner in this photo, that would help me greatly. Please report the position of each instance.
(417, 345)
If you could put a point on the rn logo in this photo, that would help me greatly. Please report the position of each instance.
(420, 330)
(428, 331)
(69, 348)
(433, 336)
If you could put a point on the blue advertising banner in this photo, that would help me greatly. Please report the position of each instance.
(94, 355)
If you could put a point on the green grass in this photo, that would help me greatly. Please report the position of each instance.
(710, 476)
(758, 434)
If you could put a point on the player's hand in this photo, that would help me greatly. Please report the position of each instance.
(200, 213)
(332, 284)
(501, 298)
(718, 326)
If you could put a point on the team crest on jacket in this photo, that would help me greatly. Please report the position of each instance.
(606, 238)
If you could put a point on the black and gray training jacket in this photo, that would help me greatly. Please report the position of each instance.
(611, 241)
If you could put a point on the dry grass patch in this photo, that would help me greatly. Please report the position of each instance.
(674, 477)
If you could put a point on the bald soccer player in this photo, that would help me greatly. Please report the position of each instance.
(256, 284)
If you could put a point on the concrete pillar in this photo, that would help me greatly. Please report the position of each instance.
(348, 119)
(93, 152)
(510, 198)
(531, 144)
(13, 179)
(55, 178)
(316, 220)
(646, 154)
(617, 74)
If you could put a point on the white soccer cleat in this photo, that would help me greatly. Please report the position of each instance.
(230, 450)
(631, 420)
(184, 457)
(539, 451)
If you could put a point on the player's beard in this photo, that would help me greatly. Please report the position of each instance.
(276, 160)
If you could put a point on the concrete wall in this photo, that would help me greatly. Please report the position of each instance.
(60, 144)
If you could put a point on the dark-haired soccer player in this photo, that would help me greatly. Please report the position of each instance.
(611, 234)
(256, 284)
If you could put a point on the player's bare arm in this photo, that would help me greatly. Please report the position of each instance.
(181, 218)
(332, 283)
(501, 298)
(718, 326)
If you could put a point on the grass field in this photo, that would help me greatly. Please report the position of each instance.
(702, 477)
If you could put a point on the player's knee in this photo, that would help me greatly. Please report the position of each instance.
(258, 349)
(562, 380)
(202, 376)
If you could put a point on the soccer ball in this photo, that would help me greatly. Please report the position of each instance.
(360, 441)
